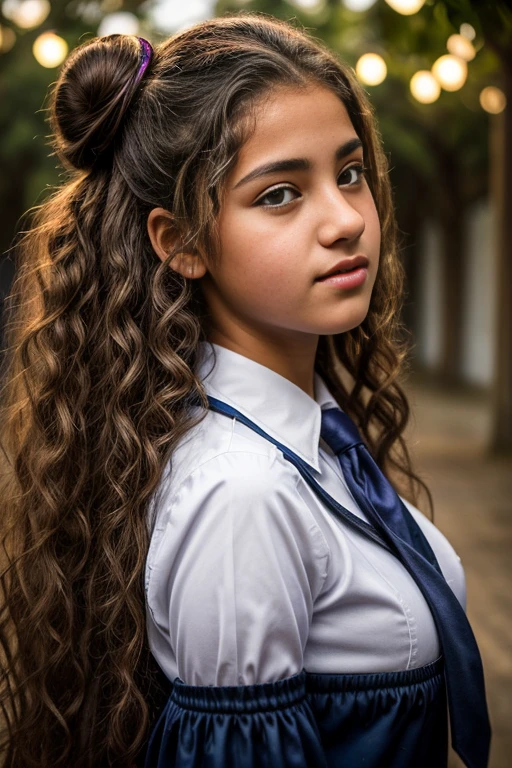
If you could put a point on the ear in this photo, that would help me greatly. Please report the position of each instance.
(164, 236)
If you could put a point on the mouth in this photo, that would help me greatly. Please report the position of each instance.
(346, 266)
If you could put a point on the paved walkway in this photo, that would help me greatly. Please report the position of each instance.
(472, 493)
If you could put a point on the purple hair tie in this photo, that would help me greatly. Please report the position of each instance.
(146, 53)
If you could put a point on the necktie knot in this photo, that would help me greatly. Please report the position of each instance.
(339, 431)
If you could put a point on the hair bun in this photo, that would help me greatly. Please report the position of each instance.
(92, 94)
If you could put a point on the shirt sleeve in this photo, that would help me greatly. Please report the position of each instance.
(248, 571)
(248, 567)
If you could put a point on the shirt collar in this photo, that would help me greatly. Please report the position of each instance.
(273, 402)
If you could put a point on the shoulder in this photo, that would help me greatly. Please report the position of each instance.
(220, 453)
(233, 500)
(214, 436)
(225, 477)
(231, 462)
(238, 483)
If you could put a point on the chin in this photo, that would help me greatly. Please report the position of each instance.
(348, 322)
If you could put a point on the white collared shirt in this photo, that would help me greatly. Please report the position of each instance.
(249, 576)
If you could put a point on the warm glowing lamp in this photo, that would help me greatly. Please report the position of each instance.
(467, 31)
(406, 7)
(311, 6)
(7, 39)
(493, 99)
(358, 5)
(424, 87)
(460, 46)
(122, 23)
(49, 49)
(450, 72)
(371, 69)
(30, 13)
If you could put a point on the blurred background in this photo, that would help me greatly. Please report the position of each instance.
(439, 73)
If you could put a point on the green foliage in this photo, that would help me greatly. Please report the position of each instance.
(417, 137)
(27, 170)
(410, 130)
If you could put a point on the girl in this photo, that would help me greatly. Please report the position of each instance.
(193, 576)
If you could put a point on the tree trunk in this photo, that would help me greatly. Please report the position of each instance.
(501, 190)
(451, 218)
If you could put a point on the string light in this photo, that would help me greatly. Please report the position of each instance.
(49, 49)
(310, 6)
(467, 31)
(450, 72)
(406, 7)
(119, 23)
(493, 100)
(424, 87)
(26, 14)
(371, 69)
(7, 39)
(358, 5)
(460, 46)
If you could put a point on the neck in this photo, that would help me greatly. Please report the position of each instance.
(292, 359)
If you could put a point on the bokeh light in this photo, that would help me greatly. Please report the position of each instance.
(467, 31)
(406, 7)
(30, 13)
(7, 39)
(493, 99)
(312, 6)
(358, 5)
(122, 23)
(371, 69)
(49, 49)
(450, 72)
(460, 46)
(424, 87)
(172, 16)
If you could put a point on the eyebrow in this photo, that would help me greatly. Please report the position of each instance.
(296, 163)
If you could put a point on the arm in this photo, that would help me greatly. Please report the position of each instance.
(240, 599)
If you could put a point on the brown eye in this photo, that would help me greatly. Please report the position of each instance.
(358, 170)
(276, 198)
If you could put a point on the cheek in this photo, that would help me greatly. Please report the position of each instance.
(256, 256)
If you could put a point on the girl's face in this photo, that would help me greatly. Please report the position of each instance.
(282, 228)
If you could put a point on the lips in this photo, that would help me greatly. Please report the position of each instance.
(346, 265)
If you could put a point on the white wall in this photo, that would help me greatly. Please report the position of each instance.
(479, 296)
(479, 321)
(428, 347)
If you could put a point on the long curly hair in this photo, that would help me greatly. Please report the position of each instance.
(101, 347)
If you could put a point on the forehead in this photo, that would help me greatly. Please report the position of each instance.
(295, 123)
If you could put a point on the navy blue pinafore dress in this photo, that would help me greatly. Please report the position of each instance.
(310, 720)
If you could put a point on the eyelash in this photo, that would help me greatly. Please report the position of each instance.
(361, 170)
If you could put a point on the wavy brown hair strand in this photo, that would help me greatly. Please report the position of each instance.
(101, 345)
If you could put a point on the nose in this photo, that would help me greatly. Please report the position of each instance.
(338, 217)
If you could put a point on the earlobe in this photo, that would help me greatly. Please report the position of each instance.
(189, 265)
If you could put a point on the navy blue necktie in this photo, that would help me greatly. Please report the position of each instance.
(469, 719)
